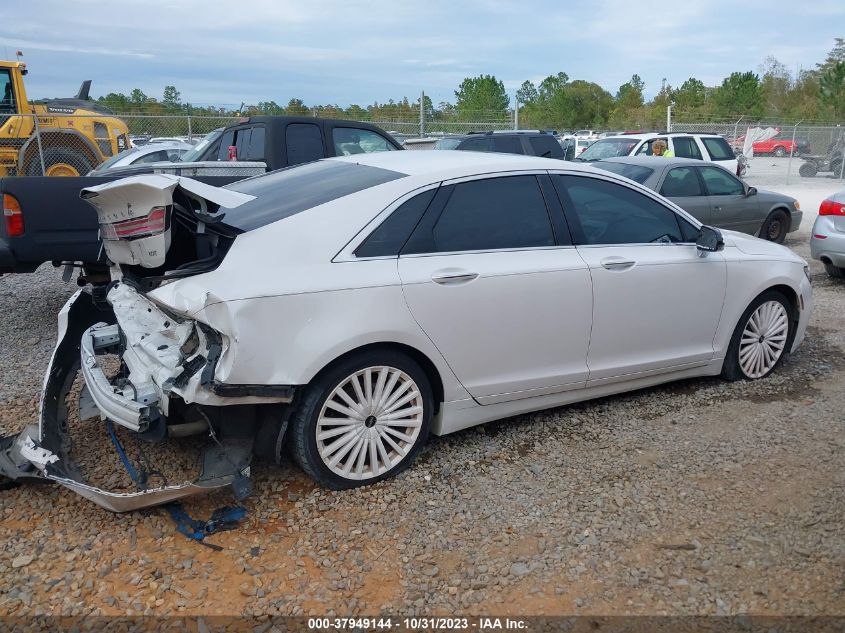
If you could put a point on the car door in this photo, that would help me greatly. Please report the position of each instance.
(730, 207)
(683, 187)
(656, 301)
(496, 284)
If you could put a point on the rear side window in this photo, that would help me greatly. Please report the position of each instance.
(507, 144)
(350, 140)
(721, 183)
(718, 148)
(495, 213)
(250, 143)
(681, 182)
(546, 146)
(303, 142)
(686, 147)
(610, 213)
(391, 235)
(286, 192)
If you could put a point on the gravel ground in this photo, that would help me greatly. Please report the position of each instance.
(698, 497)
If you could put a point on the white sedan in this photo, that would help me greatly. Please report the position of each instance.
(351, 306)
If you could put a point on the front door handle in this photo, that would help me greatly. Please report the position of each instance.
(717, 208)
(617, 264)
(453, 277)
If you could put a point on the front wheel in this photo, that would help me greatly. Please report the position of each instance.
(775, 227)
(808, 170)
(835, 271)
(362, 421)
(780, 152)
(760, 339)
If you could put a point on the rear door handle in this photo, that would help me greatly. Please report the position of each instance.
(617, 264)
(453, 277)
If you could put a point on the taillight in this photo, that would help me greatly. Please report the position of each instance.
(831, 207)
(151, 224)
(13, 215)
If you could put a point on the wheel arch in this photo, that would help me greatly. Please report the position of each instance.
(778, 206)
(431, 371)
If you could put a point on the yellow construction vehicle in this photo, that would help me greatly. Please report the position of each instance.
(58, 137)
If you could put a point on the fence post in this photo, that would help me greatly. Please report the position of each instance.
(792, 150)
(190, 133)
(516, 114)
(736, 128)
(669, 117)
(422, 113)
(40, 148)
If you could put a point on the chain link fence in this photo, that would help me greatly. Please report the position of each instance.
(798, 150)
(62, 143)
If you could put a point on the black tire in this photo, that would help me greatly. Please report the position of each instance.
(835, 271)
(62, 159)
(303, 424)
(731, 369)
(808, 170)
(775, 227)
(780, 151)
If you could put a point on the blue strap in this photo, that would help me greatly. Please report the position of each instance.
(226, 518)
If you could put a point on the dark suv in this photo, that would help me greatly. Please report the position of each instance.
(531, 142)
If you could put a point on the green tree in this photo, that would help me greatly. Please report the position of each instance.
(590, 104)
(552, 85)
(690, 96)
(739, 94)
(171, 97)
(477, 95)
(527, 93)
(832, 89)
(836, 55)
(137, 97)
(775, 84)
(270, 108)
(296, 107)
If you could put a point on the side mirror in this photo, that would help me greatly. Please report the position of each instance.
(709, 240)
(751, 191)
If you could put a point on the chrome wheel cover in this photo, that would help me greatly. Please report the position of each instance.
(763, 339)
(369, 422)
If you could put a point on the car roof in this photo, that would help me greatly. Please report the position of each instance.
(456, 163)
(654, 162)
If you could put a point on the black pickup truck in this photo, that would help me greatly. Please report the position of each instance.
(45, 219)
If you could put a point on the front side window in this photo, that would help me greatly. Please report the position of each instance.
(686, 147)
(645, 150)
(152, 157)
(681, 182)
(478, 144)
(495, 213)
(610, 213)
(351, 140)
(250, 143)
(721, 183)
(7, 93)
(304, 143)
(447, 143)
(718, 148)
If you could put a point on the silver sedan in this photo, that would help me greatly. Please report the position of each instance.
(827, 241)
(712, 194)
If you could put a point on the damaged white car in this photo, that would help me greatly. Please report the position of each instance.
(351, 306)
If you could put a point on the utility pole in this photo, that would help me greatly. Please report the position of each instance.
(422, 113)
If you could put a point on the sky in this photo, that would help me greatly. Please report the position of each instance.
(372, 50)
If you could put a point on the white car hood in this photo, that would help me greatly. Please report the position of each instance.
(755, 246)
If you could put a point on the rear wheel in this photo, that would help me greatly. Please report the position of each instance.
(775, 227)
(60, 161)
(834, 271)
(780, 152)
(808, 170)
(761, 338)
(362, 421)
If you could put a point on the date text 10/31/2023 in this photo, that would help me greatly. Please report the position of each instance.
(417, 624)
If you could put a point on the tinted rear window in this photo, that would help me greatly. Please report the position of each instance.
(718, 148)
(637, 173)
(286, 192)
(546, 146)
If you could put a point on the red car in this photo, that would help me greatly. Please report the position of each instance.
(779, 145)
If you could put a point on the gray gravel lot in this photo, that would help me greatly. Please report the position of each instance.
(699, 497)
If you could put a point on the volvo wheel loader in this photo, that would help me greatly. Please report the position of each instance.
(55, 137)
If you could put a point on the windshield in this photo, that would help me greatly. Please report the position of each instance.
(111, 161)
(637, 173)
(194, 154)
(447, 143)
(609, 148)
